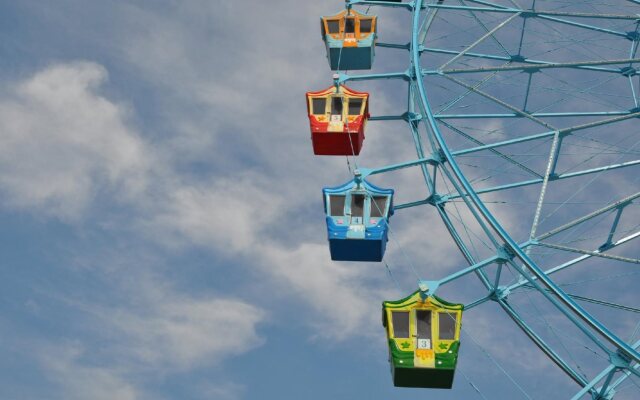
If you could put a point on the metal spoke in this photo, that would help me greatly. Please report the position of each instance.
(591, 253)
(555, 178)
(500, 102)
(535, 67)
(582, 79)
(575, 261)
(477, 42)
(617, 204)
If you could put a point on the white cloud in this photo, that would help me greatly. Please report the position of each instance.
(182, 333)
(344, 302)
(80, 381)
(156, 326)
(218, 391)
(62, 142)
(153, 330)
(227, 215)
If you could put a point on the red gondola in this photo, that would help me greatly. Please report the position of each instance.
(337, 116)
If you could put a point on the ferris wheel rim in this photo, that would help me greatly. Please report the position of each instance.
(621, 355)
(511, 246)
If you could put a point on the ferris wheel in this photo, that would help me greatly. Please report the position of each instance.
(524, 118)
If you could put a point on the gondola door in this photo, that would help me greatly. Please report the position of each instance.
(336, 122)
(350, 32)
(424, 356)
(356, 219)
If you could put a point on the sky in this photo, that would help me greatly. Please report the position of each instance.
(163, 235)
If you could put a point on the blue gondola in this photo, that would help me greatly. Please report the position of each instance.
(357, 215)
(350, 39)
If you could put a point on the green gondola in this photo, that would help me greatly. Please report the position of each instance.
(423, 333)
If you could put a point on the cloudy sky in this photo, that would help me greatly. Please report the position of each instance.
(163, 233)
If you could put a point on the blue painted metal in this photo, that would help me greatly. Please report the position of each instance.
(387, 118)
(531, 13)
(537, 67)
(503, 58)
(394, 45)
(389, 3)
(427, 160)
(563, 132)
(343, 58)
(465, 271)
(357, 228)
(577, 260)
(563, 303)
(606, 391)
(586, 26)
(614, 227)
(428, 288)
(494, 151)
(625, 374)
(428, 200)
(540, 115)
(478, 302)
(618, 204)
(554, 178)
(370, 77)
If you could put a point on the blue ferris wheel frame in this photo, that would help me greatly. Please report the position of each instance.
(507, 250)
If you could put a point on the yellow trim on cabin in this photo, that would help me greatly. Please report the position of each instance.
(411, 305)
(328, 95)
(341, 17)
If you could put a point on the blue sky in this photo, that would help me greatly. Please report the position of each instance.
(163, 234)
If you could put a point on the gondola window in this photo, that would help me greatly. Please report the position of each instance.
(400, 324)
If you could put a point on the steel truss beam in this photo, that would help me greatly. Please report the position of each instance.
(575, 261)
(503, 243)
(544, 135)
(535, 13)
(511, 58)
(608, 373)
(591, 253)
(552, 179)
(557, 296)
(530, 67)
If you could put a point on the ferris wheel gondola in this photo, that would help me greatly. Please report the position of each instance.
(357, 215)
(337, 117)
(350, 39)
(423, 332)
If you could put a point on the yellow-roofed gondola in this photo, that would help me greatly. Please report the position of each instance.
(350, 39)
(423, 333)
(337, 117)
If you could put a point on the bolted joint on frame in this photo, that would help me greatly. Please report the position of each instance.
(605, 247)
(519, 58)
(427, 288)
(528, 14)
(411, 75)
(436, 199)
(620, 359)
(505, 254)
(500, 293)
(628, 71)
(411, 117)
(634, 36)
(607, 396)
(439, 157)
(410, 6)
